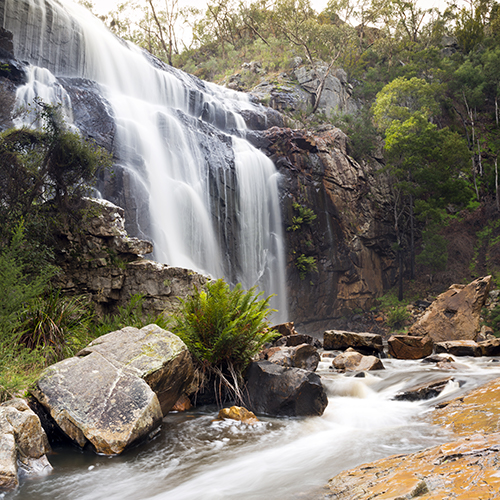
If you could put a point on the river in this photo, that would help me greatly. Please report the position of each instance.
(195, 456)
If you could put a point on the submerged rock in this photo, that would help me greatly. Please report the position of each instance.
(455, 314)
(238, 413)
(423, 391)
(117, 390)
(279, 391)
(23, 443)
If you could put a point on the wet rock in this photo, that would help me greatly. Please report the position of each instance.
(455, 314)
(238, 413)
(409, 347)
(297, 339)
(466, 468)
(116, 390)
(476, 412)
(23, 443)
(423, 391)
(459, 348)
(303, 356)
(352, 360)
(285, 329)
(365, 343)
(279, 391)
(438, 358)
(490, 347)
(182, 404)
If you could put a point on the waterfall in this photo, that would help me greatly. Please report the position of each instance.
(211, 198)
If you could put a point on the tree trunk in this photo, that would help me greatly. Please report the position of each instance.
(321, 86)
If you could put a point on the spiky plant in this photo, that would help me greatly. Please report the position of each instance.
(224, 329)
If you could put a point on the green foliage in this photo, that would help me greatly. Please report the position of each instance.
(306, 264)
(400, 99)
(223, 327)
(129, 315)
(397, 317)
(56, 325)
(434, 252)
(19, 287)
(492, 319)
(303, 215)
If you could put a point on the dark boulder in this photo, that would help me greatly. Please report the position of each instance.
(279, 391)
(365, 343)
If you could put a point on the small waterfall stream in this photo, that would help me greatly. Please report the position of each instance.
(212, 198)
(196, 456)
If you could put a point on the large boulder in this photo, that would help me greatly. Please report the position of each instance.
(279, 391)
(117, 390)
(409, 347)
(351, 360)
(23, 443)
(365, 343)
(455, 314)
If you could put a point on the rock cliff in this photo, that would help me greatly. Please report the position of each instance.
(342, 259)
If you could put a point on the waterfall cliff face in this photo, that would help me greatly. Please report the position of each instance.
(189, 181)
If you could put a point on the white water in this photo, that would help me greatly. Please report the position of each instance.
(195, 207)
(197, 457)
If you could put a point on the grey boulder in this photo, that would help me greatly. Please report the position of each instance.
(116, 391)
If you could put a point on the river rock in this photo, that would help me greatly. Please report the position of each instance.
(303, 356)
(285, 329)
(455, 314)
(297, 339)
(365, 343)
(279, 391)
(463, 469)
(423, 391)
(23, 443)
(490, 347)
(352, 360)
(238, 413)
(475, 412)
(409, 347)
(459, 348)
(117, 390)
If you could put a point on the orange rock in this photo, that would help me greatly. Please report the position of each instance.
(478, 411)
(462, 470)
(183, 404)
(238, 413)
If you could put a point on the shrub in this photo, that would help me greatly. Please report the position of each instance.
(397, 317)
(223, 329)
(58, 325)
(306, 265)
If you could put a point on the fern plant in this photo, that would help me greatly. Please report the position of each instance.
(224, 329)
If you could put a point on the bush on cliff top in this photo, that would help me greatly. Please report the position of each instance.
(224, 329)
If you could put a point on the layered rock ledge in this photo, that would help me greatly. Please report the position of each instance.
(464, 468)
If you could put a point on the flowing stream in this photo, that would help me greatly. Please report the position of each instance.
(211, 198)
(196, 456)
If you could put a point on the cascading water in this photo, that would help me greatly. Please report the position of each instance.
(212, 198)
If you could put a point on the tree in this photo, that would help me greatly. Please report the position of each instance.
(48, 166)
